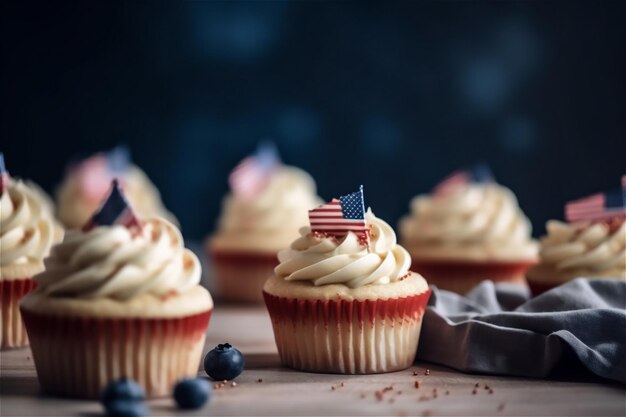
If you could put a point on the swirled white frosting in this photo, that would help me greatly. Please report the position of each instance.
(271, 220)
(109, 261)
(476, 220)
(325, 260)
(78, 199)
(27, 227)
(584, 249)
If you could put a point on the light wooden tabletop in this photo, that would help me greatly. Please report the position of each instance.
(287, 392)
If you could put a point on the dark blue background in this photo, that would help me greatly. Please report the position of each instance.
(393, 96)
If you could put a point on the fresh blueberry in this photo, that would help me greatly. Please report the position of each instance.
(122, 389)
(224, 362)
(126, 408)
(192, 393)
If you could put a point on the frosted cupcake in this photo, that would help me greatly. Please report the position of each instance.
(468, 230)
(119, 298)
(591, 245)
(267, 206)
(342, 299)
(87, 184)
(27, 232)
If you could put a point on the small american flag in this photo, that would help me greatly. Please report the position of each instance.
(4, 175)
(96, 172)
(252, 174)
(340, 216)
(479, 173)
(114, 210)
(597, 207)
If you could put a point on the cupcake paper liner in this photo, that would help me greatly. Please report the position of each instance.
(460, 277)
(77, 357)
(241, 276)
(347, 337)
(12, 333)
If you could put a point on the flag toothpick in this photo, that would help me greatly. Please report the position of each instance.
(114, 210)
(340, 216)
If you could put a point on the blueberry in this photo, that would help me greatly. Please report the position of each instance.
(223, 362)
(126, 408)
(192, 393)
(122, 389)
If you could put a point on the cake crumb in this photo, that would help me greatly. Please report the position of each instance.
(427, 372)
(474, 391)
(379, 395)
(417, 384)
(341, 385)
(476, 385)
(501, 407)
(447, 392)
(233, 384)
(333, 387)
(225, 382)
(259, 380)
(414, 373)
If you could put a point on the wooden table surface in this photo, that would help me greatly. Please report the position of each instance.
(287, 392)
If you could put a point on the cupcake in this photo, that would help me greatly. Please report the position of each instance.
(87, 183)
(119, 298)
(592, 245)
(27, 232)
(468, 230)
(342, 299)
(262, 214)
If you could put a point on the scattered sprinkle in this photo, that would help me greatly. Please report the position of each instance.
(417, 384)
(259, 380)
(414, 373)
(233, 384)
(225, 382)
(476, 385)
(341, 384)
(427, 372)
(486, 386)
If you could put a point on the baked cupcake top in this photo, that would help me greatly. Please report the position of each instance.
(87, 184)
(117, 257)
(582, 250)
(267, 205)
(345, 251)
(468, 220)
(27, 227)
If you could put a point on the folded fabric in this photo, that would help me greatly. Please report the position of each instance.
(499, 329)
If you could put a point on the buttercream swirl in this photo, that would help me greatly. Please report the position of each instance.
(474, 215)
(271, 220)
(110, 261)
(325, 260)
(76, 201)
(590, 249)
(27, 227)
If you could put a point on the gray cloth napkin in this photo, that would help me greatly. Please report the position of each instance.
(500, 329)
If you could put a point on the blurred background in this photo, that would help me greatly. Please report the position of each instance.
(394, 96)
